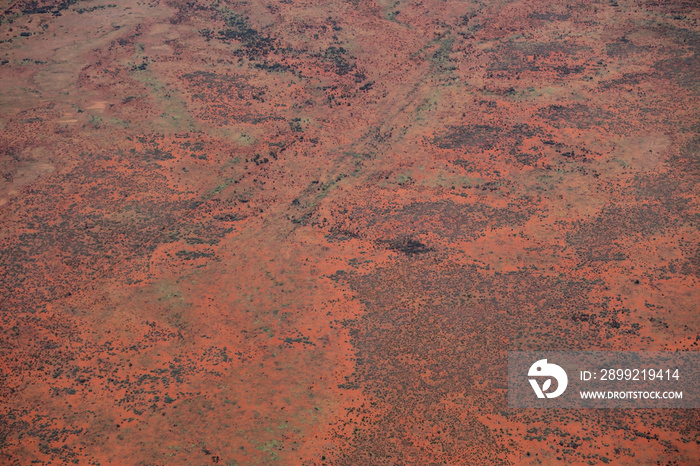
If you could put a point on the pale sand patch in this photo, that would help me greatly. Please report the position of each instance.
(98, 105)
(24, 176)
(643, 152)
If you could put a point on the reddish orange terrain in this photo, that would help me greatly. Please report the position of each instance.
(306, 233)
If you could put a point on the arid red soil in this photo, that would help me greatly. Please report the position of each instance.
(309, 232)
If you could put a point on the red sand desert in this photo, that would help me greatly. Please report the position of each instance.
(296, 232)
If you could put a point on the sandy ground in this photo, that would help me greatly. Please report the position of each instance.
(309, 232)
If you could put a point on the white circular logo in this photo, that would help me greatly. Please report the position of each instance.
(541, 369)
